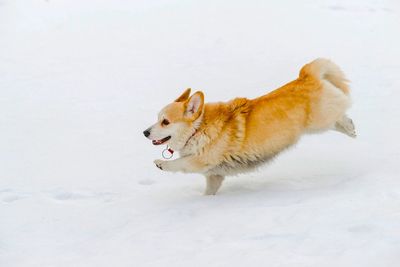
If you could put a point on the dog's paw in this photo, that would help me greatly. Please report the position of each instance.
(161, 164)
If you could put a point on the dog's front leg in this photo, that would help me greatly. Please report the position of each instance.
(184, 164)
(213, 184)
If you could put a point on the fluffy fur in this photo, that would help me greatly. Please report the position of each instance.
(219, 139)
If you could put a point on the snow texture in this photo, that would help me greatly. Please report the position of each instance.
(81, 80)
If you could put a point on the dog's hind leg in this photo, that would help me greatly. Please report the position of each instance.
(213, 184)
(345, 125)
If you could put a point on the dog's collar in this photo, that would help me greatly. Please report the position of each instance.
(169, 153)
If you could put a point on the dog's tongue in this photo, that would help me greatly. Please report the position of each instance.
(161, 141)
(157, 142)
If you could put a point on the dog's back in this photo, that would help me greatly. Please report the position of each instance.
(259, 129)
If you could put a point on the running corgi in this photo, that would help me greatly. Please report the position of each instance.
(220, 139)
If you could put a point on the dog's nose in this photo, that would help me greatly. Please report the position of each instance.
(146, 133)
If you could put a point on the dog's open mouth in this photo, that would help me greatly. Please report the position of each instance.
(161, 141)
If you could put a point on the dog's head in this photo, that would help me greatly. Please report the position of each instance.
(177, 121)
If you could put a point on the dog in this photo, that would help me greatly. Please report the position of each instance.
(221, 139)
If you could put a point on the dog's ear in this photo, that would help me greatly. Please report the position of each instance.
(194, 105)
(184, 96)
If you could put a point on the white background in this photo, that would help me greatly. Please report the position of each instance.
(81, 80)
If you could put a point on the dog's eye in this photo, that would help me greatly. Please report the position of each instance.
(165, 122)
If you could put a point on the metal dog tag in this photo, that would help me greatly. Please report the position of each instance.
(167, 153)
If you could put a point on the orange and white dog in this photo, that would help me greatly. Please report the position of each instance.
(220, 139)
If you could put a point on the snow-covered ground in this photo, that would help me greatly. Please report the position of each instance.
(81, 80)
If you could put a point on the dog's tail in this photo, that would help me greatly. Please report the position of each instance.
(324, 69)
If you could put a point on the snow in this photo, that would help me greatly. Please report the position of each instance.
(80, 81)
